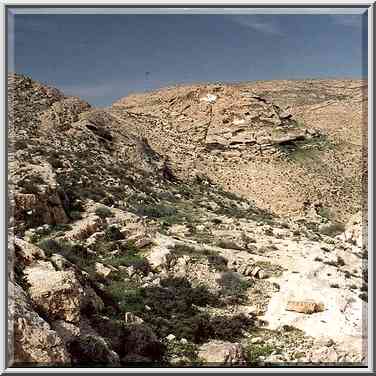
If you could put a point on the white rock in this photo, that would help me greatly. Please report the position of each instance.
(158, 256)
(211, 98)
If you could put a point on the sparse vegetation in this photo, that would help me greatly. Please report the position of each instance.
(182, 353)
(113, 233)
(103, 212)
(157, 211)
(75, 215)
(32, 184)
(234, 285)
(332, 229)
(174, 253)
(128, 297)
(255, 351)
(51, 246)
(307, 152)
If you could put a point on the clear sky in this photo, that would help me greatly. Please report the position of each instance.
(104, 57)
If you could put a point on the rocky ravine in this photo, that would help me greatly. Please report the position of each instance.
(121, 256)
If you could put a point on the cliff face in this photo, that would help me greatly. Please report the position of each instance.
(141, 235)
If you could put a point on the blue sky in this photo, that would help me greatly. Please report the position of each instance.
(104, 57)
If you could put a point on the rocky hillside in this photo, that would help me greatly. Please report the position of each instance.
(129, 245)
(281, 143)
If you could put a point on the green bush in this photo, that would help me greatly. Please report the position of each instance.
(36, 235)
(332, 229)
(156, 211)
(186, 352)
(75, 215)
(54, 160)
(103, 212)
(219, 263)
(233, 284)
(76, 253)
(112, 233)
(129, 298)
(253, 352)
(31, 184)
(129, 256)
(51, 246)
(324, 212)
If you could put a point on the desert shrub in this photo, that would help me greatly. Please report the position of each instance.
(183, 249)
(334, 285)
(217, 221)
(254, 351)
(198, 254)
(218, 262)
(271, 269)
(76, 253)
(202, 327)
(20, 144)
(31, 184)
(51, 246)
(104, 247)
(197, 328)
(332, 229)
(112, 233)
(363, 296)
(103, 212)
(324, 212)
(166, 222)
(174, 309)
(20, 277)
(36, 235)
(186, 352)
(54, 160)
(230, 328)
(79, 255)
(185, 190)
(157, 211)
(307, 151)
(133, 259)
(233, 284)
(75, 215)
(128, 255)
(128, 297)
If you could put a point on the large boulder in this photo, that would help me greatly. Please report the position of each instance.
(83, 228)
(66, 330)
(33, 340)
(354, 230)
(92, 350)
(140, 341)
(111, 330)
(27, 253)
(219, 353)
(38, 199)
(158, 256)
(57, 294)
